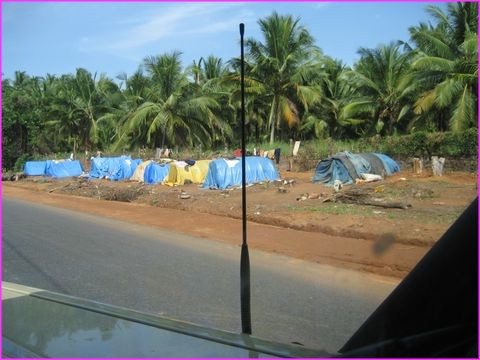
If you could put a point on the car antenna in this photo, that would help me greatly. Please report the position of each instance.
(245, 257)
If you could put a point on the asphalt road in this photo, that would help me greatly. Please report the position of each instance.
(183, 277)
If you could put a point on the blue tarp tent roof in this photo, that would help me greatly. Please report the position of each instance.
(61, 169)
(113, 168)
(53, 168)
(390, 165)
(155, 173)
(348, 167)
(35, 168)
(223, 174)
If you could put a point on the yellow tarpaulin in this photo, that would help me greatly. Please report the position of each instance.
(140, 171)
(196, 173)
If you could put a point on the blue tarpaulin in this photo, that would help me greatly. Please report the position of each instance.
(155, 173)
(331, 169)
(223, 174)
(61, 169)
(115, 168)
(389, 164)
(35, 168)
(348, 167)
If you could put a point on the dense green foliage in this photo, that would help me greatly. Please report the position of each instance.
(424, 88)
(418, 144)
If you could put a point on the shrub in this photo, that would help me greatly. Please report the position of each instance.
(420, 144)
(20, 162)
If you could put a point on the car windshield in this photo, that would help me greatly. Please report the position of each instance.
(122, 157)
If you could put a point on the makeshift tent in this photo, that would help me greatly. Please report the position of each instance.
(63, 168)
(35, 168)
(155, 173)
(389, 164)
(348, 167)
(139, 173)
(53, 168)
(114, 168)
(223, 173)
(181, 172)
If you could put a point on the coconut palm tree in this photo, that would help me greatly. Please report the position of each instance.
(380, 78)
(257, 103)
(80, 100)
(112, 125)
(174, 112)
(211, 79)
(285, 64)
(325, 119)
(446, 66)
(213, 68)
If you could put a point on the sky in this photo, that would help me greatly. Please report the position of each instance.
(112, 38)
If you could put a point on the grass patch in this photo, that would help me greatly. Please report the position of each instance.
(413, 191)
(336, 209)
(434, 216)
(447, 218)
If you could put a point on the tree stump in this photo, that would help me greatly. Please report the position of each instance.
(417, 166)
(437, 165)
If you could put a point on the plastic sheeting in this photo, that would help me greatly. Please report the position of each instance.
(388, 163)
(139, 173)
(155, 173)
(223, 174)
(35, 168)
(117, 168)
(362, 166)
(195, 174)
(347, 167)
(53, 168)
(64, 168)
(331, 169)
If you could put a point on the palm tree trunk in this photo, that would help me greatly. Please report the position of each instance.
(271, 119)
(163, 136)
(74, 148)
(390, 124)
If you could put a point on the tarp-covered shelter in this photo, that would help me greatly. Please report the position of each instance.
(113, 168)
(139, 173)
(155, 173)
(223, 173)
(53, 168)
(63, 168)
(181, 172)
(35, 168)
(348, 167)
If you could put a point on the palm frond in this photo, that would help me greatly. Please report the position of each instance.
(447, 91)
(425, 102)
(289, 111)
(351, 122)
(464, 114)
(405, 110)
(358, 107)
(470, 45)
(142, 115)
(432, 43)
(159, 121)
(308, 95)
(432, 63)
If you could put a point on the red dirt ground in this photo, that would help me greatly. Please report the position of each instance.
(373, 239)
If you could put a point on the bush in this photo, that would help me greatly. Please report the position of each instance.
(421, 144)
(468, 142)
(20, 162)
